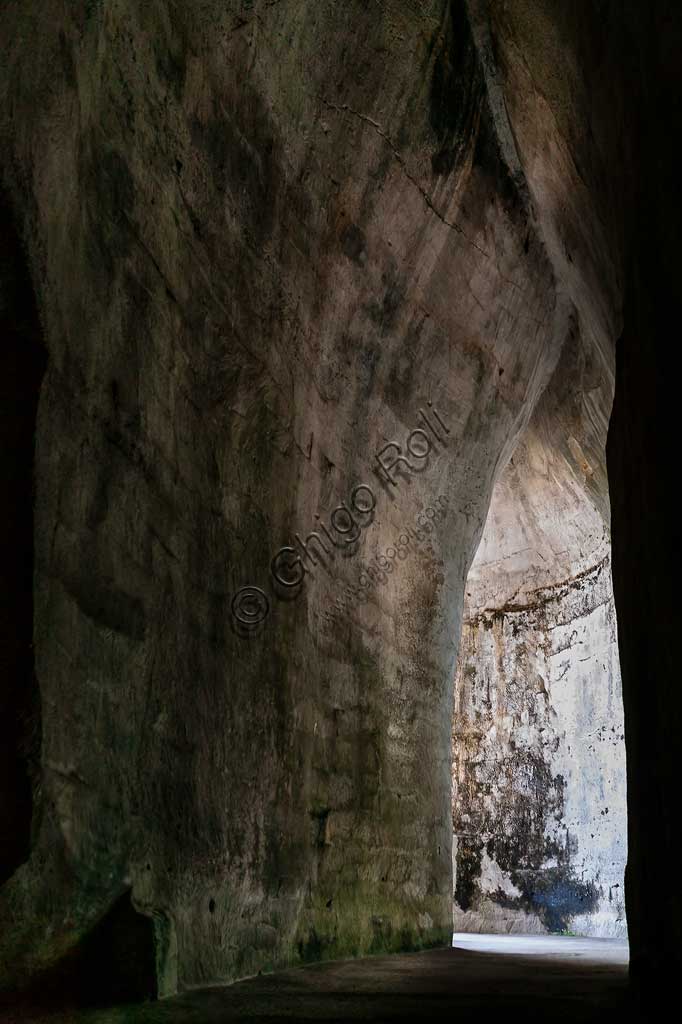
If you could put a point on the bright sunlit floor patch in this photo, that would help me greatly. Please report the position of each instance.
(553, 947)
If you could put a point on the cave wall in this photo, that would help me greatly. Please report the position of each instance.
(256, 260)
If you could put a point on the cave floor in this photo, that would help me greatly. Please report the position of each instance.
(529, 978)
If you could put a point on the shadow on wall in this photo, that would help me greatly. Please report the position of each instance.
(114, 963)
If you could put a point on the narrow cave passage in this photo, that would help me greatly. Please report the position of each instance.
(539, 783)
(22, 363)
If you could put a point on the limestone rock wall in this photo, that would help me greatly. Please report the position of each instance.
(256, 258)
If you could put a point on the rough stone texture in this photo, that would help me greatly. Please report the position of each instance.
(539, 814)
(261, 266)
(255, 258)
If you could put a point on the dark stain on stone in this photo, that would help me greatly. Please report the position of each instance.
(109, 184)
(384, 314)
(404, 368)
(320, 817)
(366, 364)
(529, 798)
(243, 156)
(353, 243)
(559, 897)
(68, 64)
(313, 947)
(107, 605)
(171, 69)
(92, 8)
(382, 931)
(521, 848)
(554, 894)
(115, 186)
(469, 852)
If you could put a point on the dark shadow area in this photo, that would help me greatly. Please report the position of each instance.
(114, 964)
(22, 364)
(643, 456)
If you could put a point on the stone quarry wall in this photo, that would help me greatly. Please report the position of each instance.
(254, 258)
(539, 812)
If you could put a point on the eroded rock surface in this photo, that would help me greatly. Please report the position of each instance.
(265, 259)
(255, 259)
(539, 814)
(539, 765)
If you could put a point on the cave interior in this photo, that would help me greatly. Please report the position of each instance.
(337, 434)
